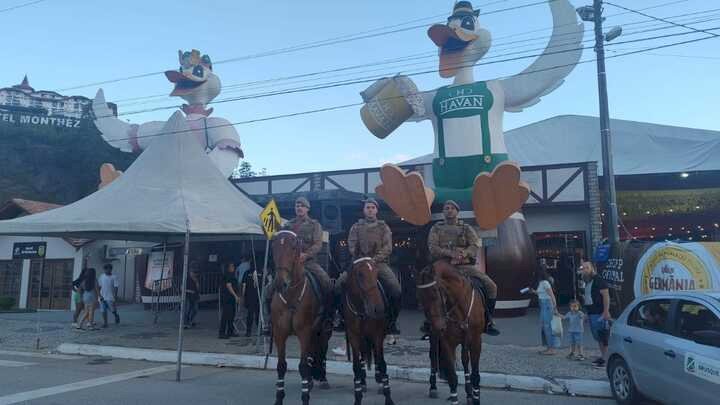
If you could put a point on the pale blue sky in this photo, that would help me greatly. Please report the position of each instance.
(64, 43)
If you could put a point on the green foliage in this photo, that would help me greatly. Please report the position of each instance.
(54, 164)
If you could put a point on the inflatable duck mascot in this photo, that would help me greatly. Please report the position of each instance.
(470, 161)
(195, 83)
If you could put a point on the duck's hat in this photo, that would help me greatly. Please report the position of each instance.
(462, 9)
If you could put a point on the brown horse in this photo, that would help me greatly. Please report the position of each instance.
(296, 311)
(456, 313)
(365, 325)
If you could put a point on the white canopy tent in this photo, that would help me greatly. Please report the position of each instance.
(171, 192)
(172, 188)
(638, 147)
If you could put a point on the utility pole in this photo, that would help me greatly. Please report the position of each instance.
(594, 13)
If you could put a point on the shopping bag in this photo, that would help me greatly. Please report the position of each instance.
(556, 324)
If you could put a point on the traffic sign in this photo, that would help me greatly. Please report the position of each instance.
(270, 218)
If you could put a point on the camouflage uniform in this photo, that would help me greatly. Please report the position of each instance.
(446, 239)
(374, 239)
(310, 233)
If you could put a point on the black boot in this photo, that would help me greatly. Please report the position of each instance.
(393, 316)
(490, 328)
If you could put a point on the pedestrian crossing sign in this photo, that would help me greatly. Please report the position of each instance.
(270, 218)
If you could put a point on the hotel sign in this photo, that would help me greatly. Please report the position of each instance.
(36, 119)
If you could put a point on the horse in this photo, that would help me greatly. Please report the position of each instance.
(456, 313)
(366, 325)
(294, 310)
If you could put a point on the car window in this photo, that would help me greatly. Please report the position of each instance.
(694, 319)
(651, 314)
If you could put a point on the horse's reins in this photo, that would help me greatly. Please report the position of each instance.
(302, 292)
(463, 324)
(347, 296)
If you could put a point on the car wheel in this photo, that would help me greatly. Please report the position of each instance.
(621, 382)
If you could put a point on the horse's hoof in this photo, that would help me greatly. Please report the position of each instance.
(433, 394)
(324, 385)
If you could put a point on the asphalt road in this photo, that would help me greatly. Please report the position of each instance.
(27, 378)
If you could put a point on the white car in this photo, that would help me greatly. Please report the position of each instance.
(666, 347)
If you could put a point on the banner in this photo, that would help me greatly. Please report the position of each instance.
(159, 268)
(670, 266)
(635, 269)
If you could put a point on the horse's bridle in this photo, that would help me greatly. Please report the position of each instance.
(352, 309)
(291, 286)
(464, 324)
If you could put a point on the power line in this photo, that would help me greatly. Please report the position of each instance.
(425, 55)
(30, 3)
(368, 79)
(311, 45)
(662, 19)
(344, 106)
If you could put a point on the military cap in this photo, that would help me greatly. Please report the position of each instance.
(453, 203)
(303, 201)
(371, 200)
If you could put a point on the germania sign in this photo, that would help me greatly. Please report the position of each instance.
(676, 267)
(20, 118)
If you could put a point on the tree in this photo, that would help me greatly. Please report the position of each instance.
(245, 170)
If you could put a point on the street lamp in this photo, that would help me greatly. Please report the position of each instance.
(594, 13)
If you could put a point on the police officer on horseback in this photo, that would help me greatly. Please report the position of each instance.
(309, 231)
(456, 241)
(371, 237)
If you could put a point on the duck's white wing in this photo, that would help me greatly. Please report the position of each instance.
(115, 131)
(550, 69)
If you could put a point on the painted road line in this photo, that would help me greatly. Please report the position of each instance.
(40, 355)
(81, 385)
(9, 363)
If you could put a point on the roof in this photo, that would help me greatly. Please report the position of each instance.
(26, 207)
(171, 188)
(18, 207)
(638, 147)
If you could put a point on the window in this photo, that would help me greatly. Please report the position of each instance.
(695, 320)
(652, 315)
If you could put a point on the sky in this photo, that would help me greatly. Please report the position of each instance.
(64, 44)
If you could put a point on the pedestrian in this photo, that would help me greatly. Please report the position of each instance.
(192, 295)
(243, 267)
(596, 299)
(576, 319)
(548, 309)
(229, 299)
(77, 292)
(251, 298)
(108, 283)
(90, 298)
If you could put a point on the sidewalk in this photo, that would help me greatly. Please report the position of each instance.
(513, 352)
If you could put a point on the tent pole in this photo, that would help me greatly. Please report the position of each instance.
(262, 295)
(182, 300)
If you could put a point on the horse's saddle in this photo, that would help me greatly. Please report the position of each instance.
(316, 287)
(479, 288)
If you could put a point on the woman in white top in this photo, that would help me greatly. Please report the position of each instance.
(548, 308)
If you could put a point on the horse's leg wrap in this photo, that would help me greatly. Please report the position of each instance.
(280, 384)
(382, 367)
(475, 378)
(305, 374)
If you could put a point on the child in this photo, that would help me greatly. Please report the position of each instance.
(575, 320)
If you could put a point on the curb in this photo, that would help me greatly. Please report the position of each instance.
(571, 387)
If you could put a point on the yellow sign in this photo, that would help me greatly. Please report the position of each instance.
(270, 217)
